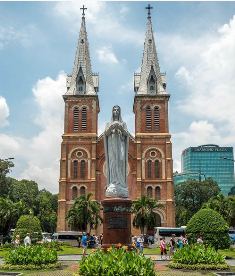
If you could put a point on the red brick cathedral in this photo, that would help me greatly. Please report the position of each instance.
(82, 165)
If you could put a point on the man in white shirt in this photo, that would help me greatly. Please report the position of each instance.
(27, 240)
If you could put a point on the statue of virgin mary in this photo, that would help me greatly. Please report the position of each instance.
(116, 154)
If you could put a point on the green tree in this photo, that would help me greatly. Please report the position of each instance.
(224, 205)
(26, 191)
(10, 213)
(211, 226)
(143, 210)
(47, 210)
(191, 195)
(28, 224)
(5, 168)
(84, 214)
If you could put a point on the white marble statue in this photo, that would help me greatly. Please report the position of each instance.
(116, 154)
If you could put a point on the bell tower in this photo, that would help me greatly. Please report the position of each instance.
(153, 140)
(78, 148)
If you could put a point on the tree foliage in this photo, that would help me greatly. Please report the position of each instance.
(28, 224)
(5, 168)
(84, 214)
(190, 196)
(225, 206)
(211, 226)
(144, 216)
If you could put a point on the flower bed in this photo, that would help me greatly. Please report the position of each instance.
(30, 257)
(198, 257)
(118, 262)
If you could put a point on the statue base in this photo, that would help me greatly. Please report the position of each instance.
(116, 222)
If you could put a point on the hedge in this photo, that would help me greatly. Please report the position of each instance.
(211, 226)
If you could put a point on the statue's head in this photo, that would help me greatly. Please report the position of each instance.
(116, 113)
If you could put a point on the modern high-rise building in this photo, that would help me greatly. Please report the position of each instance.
(82, 165)
(208, 161)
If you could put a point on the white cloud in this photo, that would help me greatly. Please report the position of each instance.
(40, 154)
(106, 55)
(10, 34)
(4, 112)
(104, 22)
(205, 70)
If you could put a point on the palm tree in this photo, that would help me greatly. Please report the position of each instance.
(143, 210)
(85, 213)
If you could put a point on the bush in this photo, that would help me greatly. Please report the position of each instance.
(28, 224)
(116, 262)
(53, 244)
(31, 255)
(198, 254)
(211, 226)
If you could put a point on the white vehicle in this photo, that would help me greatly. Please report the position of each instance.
(167, 232)
(46, 237)
(70, 237)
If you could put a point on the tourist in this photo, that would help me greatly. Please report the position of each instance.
(17, 241)
(79, 241)
(172, 245)
(163, 248)
(180, 243)
(101, 239)
(140, 244)
(27, 240)
(184, 239)
(84, 243)
(200, 240)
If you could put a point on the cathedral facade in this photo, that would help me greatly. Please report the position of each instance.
(82, 163)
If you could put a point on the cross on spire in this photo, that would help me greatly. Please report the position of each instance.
(83, 10)
(149, 10)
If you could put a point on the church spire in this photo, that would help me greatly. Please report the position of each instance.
(82, 81)
(150, 80)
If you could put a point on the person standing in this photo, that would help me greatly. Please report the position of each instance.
(163, 248)
(172, 245)
(140, 244)
(27, 240)
(17, 241)
(84, 244)
(200, 240)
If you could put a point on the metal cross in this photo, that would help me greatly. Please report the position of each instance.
(83, 10)
(149, 8)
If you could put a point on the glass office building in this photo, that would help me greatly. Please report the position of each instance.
(208, 161)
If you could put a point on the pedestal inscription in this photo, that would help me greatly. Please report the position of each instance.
(117, 221)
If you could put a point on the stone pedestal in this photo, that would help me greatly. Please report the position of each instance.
(117, 221)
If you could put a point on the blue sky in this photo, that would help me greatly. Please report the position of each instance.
(196, 48)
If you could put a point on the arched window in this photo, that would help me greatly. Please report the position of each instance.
(82, 169)
(80, 85)
(148, 118)
(84, 118)
(157, 169)
(152, 84)
(74, 193)
(75, 118)
(149, 192)
(157, 193)
(82, 190)
(149, 169)
(75, 169)
(156, 118)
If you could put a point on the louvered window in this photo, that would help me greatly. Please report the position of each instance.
(157, 193)
(150, 192)
(82, 190)
(75, 169)
(157, 169)
(156, 118)
(83, 169)
(149, 169)
(75, 118)
(74, 193)
(148, 119)
(84, 118)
